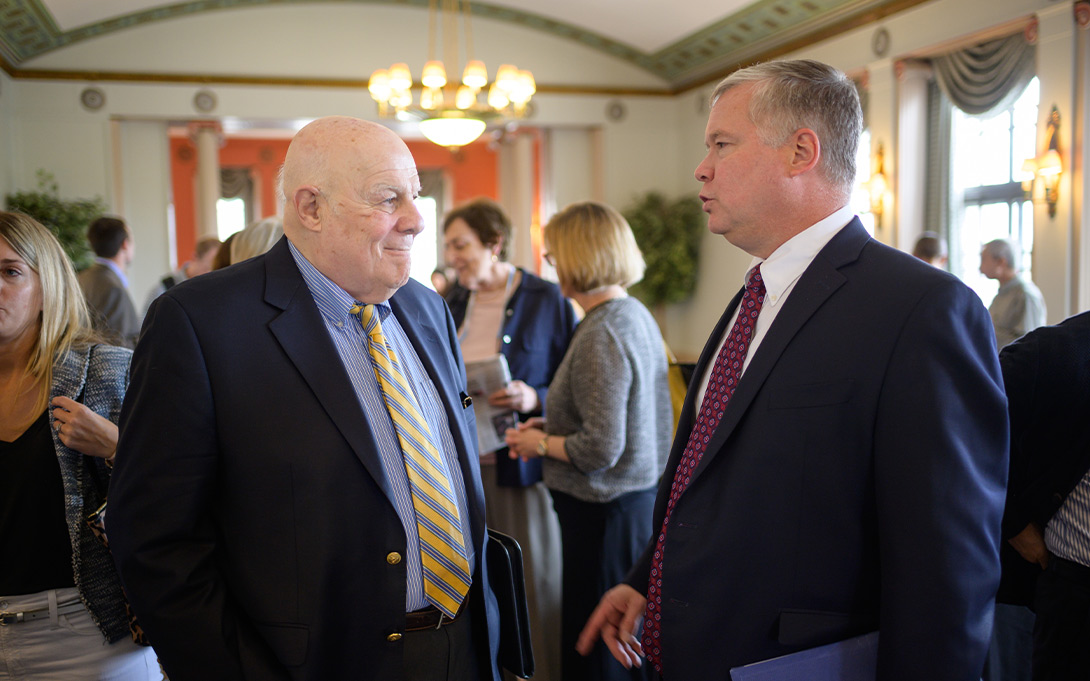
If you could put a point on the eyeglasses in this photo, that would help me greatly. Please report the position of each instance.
(548, 257)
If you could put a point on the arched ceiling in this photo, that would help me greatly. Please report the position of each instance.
(683, 43)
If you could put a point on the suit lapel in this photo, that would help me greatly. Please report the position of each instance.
(301, 332)
(820, 280)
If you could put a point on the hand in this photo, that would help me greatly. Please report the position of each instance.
(515, 395)
(615, 620)
(523, 440)
(82, 430)
(1030, 544)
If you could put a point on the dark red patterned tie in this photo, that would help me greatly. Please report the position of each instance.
(721, 384)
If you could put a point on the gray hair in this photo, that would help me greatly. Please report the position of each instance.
(803, 93)
(1003, 249)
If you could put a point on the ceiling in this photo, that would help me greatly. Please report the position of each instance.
(685, 43)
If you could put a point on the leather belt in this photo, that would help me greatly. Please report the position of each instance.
(428, 618)
(7, 618)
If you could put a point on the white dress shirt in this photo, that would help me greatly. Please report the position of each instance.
(780, 272)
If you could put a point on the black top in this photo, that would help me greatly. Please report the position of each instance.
(33, 533)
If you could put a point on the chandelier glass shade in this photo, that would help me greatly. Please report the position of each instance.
(451, 113)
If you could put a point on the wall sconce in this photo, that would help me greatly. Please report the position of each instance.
(877, 187)
(1048, 166)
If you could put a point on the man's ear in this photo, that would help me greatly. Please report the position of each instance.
(805, 151)
(306, 201)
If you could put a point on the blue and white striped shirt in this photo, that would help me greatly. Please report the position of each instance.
(348, 337)
(1067, 535)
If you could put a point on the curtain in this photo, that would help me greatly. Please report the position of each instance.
(986, 77)
(937, 189)
(237, 183)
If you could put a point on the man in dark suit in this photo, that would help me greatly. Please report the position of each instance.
(841, 456)
(1047, 519)
(105, 283)
(264, 510)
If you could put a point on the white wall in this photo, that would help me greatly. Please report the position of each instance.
(656, 146)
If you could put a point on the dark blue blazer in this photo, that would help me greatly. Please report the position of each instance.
(855, 481)
(249, 513)
(1047, 377)
(538, 325)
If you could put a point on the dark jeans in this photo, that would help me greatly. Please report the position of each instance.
(1061, 637)
(600, 543)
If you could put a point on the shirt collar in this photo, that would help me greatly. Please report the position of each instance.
(105, 262)
(790, 260)
(333, 302)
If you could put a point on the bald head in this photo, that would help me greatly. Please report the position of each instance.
(349, 186)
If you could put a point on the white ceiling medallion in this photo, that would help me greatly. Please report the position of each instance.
(204, 101)
(92, 98)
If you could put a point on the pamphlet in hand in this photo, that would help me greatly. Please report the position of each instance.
(483, 378)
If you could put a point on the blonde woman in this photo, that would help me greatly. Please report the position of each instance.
(609, 422)
(60, 396)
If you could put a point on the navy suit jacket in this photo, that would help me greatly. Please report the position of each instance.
(249, 513)
(1047, 376)
(855, 481)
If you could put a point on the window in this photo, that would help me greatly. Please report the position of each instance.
(425, 251)
(986, 172)
(230, 216)
(860, 200)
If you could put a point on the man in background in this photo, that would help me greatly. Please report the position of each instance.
(201, 263)
(106, 285)
(840, 460)
(298, 493)
(1018, 307)
(1047, 518)
(931, 249)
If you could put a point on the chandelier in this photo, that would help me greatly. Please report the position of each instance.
(452, 114)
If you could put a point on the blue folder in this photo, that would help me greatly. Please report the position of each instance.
(854, 659)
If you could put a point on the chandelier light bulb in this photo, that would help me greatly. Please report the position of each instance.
(496, 98)
(379, 85)
(475, 75)
(434, 75)
(431, 98)
(465, 98)
(507, 77)
(400, 77)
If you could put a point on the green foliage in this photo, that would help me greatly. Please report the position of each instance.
(68, 220)
(669, 234)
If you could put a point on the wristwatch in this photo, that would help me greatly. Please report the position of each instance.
(543, 446)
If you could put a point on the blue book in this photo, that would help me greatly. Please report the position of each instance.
(854, 659)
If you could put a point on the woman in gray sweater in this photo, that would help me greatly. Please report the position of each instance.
(609, 422)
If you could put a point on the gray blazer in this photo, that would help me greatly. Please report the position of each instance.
(112, 309)
(96, 376)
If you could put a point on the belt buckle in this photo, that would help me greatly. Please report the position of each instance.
(7, 618)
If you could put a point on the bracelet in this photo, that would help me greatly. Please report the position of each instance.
(543, 446)
(109, 460)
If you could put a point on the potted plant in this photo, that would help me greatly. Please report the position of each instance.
(68, 220)
(669, 234)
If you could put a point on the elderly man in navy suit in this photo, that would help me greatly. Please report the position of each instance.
(297, 494)
(840, 462)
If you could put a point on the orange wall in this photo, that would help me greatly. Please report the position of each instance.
(472, 171)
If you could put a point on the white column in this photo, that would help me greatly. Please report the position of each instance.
(517, 196)
(912, 78)
(1053, 237)
(882, 121)
(208, 139)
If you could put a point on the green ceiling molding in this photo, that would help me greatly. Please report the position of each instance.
(27, 30)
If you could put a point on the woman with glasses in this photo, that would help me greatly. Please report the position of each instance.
(608, 423)
(502, 309)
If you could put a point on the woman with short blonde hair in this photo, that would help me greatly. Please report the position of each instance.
(609, 423)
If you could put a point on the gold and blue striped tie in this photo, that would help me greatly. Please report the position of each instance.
(442, 547)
